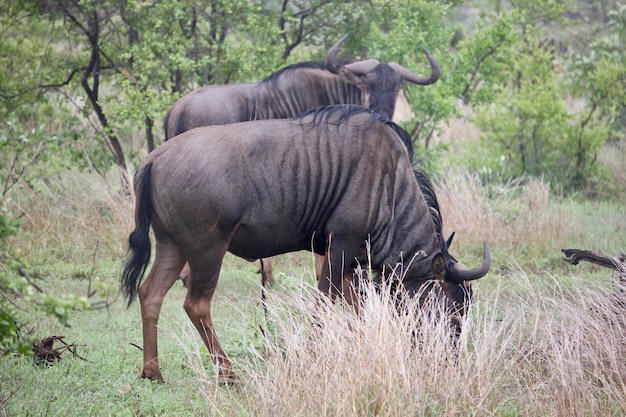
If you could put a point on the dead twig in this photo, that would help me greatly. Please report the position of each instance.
(46, 354)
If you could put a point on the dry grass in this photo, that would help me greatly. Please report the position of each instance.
(612, 159)
(523, 352)
(71, 217)
(523, 222)
(514, 214)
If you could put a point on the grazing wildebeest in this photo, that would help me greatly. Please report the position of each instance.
(293, 90)
(328, 181)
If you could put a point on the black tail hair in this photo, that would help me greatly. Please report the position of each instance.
(139, 239)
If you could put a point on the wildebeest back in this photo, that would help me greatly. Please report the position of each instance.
(286, 185)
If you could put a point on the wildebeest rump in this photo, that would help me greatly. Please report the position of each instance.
(329, 181)
(293, 90)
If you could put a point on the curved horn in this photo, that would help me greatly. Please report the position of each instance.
(417, 79)
(462, 273)
(331, 56)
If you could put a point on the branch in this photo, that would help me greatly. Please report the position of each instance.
(573, 256)
(44, 86)
(23, 273)
(17, 175)
(482, 59)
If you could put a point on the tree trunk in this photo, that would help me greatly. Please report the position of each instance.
(149, 123)
(92, 73)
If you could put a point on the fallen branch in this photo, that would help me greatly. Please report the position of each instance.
(573, 256)
(44, 353)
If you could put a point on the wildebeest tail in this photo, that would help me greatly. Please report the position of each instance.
(139, 240)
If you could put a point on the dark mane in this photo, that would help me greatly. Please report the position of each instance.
(322, 115)
(273, 77)
(428, 191)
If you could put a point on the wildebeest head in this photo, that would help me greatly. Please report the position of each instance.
(452, 279)
(379, 82)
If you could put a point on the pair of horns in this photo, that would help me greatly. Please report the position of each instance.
(366, 66)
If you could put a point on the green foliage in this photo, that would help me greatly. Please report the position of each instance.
(529, 127)
(412, 26)
(9, 226)
(28, 158)
(10, 328)
(527, 123)
(482, 60)
(149, 54)
(177, 46)
(11, 340)
(599, 75)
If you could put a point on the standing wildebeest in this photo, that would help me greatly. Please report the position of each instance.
(329, 181)
(296, 89)
(293, 90)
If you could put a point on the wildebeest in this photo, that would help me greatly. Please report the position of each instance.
(328, 181)
(296, 89)
(293, 90)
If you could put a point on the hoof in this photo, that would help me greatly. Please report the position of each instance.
(228, 380)
(153, 376)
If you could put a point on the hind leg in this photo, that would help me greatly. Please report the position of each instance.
(267, 276)
(205, 268)
(168, 262)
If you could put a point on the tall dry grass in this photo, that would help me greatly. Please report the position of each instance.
(522, 353)
(523, 222)
(72, 217)
(517, 213)
(612, 159)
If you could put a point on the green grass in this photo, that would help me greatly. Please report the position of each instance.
(107, 382)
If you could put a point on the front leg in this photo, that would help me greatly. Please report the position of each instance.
(337, 275)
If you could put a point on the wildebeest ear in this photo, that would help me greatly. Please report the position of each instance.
(439, 267)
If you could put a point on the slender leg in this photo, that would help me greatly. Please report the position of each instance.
(323, 282)
(168, 262)
(267, 276)
(319, 265)
(205, 269)
(337, 275)
(349, 289)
